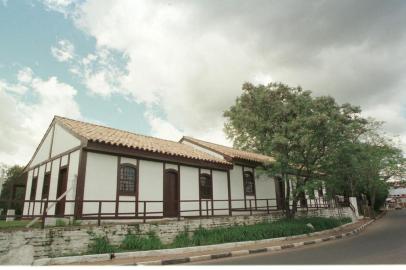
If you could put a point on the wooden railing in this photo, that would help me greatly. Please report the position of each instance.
(142, 209)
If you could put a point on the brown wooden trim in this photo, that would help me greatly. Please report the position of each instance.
(200, 193)
(212, 184)
(229, 193)
(137, 187)
(211, 180)
(243, 187)
(118, 184)
(255, 188)
(147, 155)
(179, 195)
(80, 184)
(56, 157)
(52, 142)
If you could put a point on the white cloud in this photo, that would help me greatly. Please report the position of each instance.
(190, 58)
(63, 6)
(25, 122)
(64, 51)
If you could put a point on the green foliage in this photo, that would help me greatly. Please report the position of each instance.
(137, 242)
(267, 230)
(182, 240)
(300, 131)
(101, 245)
(12, 176)
(60, 223)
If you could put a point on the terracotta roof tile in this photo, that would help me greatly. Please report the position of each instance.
(107, 135)
(230, 152)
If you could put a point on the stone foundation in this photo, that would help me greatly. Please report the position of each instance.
(64, 241)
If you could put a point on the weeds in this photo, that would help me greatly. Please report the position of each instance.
(137, 242)
(101, 245)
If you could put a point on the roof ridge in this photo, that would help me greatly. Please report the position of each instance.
(117, 129)
(224, 146)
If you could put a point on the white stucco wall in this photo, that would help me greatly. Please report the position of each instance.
(265, 189)
(220, 192)
(27, 191)
(171, 166)
(237, 187)
(43, 150)
(53, 185)
(38, 193)
(72, 180)
(189, 190)
(151, 185)
(63, 141)
(100, 182)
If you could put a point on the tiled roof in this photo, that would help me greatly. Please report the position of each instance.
(116, 137)
(230, 152)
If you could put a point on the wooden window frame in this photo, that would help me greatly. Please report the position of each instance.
(245, 184)
(33, 192)
(127, 193)
(208, 176)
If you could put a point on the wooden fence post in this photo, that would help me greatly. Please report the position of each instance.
(99, 213)
(250, 207)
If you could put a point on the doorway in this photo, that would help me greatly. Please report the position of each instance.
(61, 189)
(171, 194)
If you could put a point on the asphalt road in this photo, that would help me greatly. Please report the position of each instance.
(383, 242)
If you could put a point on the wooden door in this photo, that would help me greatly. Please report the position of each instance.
(171, 194)
(62, 185)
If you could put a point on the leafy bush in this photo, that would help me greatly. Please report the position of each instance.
(182, 240)
(101, 245)
(137, 242)
(60, 223)
(280, 228)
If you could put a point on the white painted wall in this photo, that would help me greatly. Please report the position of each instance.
(72, 180)
(38, 193)
(151, 185)
(63, 141)
(53, 185)
(43, 150)
(171, 166)
(237, 186)
(265, 189)
(220, 192)
(100, 182)
(189, 190)
(27, 191)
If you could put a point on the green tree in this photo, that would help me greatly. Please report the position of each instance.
(12, 176)
(298, 130)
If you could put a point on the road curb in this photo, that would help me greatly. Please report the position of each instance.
(238, 253)
(137, 254)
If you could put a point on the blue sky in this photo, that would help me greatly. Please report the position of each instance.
(31, 30)
(170, 68)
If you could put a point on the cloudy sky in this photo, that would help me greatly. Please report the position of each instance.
(170, 68)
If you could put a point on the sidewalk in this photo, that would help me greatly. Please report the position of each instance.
(202, 253)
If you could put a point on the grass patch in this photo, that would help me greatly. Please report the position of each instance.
(137, 242)
(101, 245)
(13, 224)
(280, 228)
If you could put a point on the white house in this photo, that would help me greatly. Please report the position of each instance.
(118, 174)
